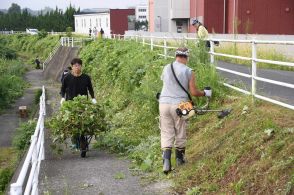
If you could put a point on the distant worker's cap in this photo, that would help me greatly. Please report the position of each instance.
(195, 21)
(182, 51)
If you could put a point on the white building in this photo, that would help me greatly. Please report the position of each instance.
(169, 15)
(142, 12)
(86, 21)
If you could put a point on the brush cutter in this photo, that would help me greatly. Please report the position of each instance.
(187, 113)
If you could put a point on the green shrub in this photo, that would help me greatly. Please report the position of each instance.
(23, 135)
(11, 81)
(7, 53)
(69, 31)
(42, 34)
(126, 78)
(5, 176)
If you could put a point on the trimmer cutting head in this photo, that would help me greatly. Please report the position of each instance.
(222, 114)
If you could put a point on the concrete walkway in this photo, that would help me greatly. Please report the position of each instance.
(9, 119)
(98, 173)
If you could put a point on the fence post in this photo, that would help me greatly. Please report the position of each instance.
(72, 42)
(253, 68)
(143, 40)
(165, 48)
(15, 189)
(211, 52)
(68, 42)
(151, 45)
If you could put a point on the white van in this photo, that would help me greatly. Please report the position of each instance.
(32, 31)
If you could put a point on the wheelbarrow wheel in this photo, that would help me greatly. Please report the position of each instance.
(83, 154)
(83, 146)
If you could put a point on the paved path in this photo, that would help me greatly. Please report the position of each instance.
(96, 174)
(277, 92)
(9, 119)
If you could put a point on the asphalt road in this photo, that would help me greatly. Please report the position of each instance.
(277, 92)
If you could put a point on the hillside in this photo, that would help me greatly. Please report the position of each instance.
(250, 152)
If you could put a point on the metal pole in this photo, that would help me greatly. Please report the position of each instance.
(211, 52)
(165, 48)
(253, 68)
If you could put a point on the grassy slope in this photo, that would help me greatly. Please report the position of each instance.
(236, 155)
(12, 86)
(233, 155)
(28, 47)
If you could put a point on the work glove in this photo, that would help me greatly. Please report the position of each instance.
(62, 100)
(207, 92)
(94, 101)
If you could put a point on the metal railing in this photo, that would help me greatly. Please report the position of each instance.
(27, 181)
(74, 42)
(51, 54)
(254, 60)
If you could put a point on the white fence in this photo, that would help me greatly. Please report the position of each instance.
(51, 54)
(150, 41)
(27, 181)
(74, 42)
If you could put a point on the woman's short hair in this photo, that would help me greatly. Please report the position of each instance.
(76, 61)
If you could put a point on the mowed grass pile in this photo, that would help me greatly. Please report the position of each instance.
(250, 152)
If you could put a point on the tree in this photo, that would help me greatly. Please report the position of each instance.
(14, 9)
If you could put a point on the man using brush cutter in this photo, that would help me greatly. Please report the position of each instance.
(178, 80)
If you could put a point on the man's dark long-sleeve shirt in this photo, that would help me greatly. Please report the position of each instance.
(73, 86)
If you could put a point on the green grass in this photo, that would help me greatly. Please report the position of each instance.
(11, 81)
(8, 160)
(244, 49)
(230, 156)
(29, 47)
(22, 49)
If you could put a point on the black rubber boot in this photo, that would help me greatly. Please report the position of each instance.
(166, 160)
(180, 156)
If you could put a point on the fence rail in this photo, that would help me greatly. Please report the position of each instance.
(51, 54)
(150, 41)
(27, 181)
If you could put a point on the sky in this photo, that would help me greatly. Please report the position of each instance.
(62, 4)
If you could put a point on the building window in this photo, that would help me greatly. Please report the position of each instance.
(142, 10)
(106, 22)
